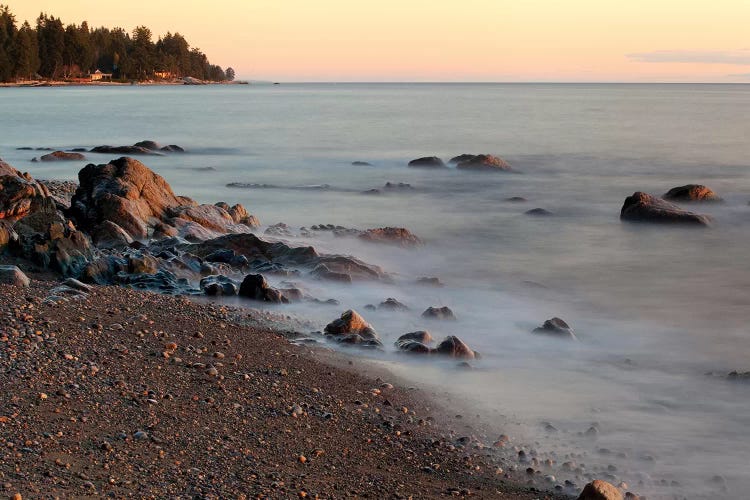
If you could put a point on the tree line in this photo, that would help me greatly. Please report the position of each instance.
(52, 50)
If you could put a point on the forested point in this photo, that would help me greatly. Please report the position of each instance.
(54, 51)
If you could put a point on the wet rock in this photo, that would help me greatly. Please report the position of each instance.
(516, 199)
(12, 275)
(255, 287)
(556, 327)
(60, 191)
(227, 256)
(280, 229)
(462, 158)
(351, 322)
(392, 236)
(393, 305)
(219, 285)
(124, 150)
(359, 340)
(538, 212)
(428, 162)
(142, 264)
(600, 490)
(455, 348)
(692, 193)
(63, 156)
(421, 336)
(172, 148)
(484, 163)
(361, 164)
(152, 145)
(110, 235)
(440, 313)
(430, 281)
(738, 376)
(413, 347)
(397, 186)
(642, 207)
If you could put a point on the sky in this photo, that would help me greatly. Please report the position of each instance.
(443, 40)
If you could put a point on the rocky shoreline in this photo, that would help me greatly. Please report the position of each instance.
(122, 225)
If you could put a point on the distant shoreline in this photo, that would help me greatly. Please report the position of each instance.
(63, 83)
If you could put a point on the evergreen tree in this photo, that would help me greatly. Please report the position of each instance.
(7, 42)
(229, 73)
(51, 36)
(26, 53)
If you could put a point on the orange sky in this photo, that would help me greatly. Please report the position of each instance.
(444, 40)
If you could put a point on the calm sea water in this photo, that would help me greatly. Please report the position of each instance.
(655, 308)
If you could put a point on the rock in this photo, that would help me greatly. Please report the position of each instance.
(516, 199)
(351, 322)
(413, 347)
(6, 235)
(440, 313)
(153, 146)
(430, 281)
(77, 285)
(392, 236)
(143, 264)
(421, 336)
(691, 193)
(20, 195)
(361, 164)
(63, 156)
(556, 327)
(400, 186)
(428, 162)
(227, 256)
(173, 148)
(124, 150)
(642, 207)
(60, 191)
(462, 158)
(485, 163)
(393, 305)
(455, 348)
(255, 287)
(600, 490)
(219, 285)
(12, 275)
(110, 235)
(538, 212)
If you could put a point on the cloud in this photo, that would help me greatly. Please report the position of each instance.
(735, 57)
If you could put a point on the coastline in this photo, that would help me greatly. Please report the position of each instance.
(62, 83)
(122, 391)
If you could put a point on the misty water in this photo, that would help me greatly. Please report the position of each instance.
(661, 313)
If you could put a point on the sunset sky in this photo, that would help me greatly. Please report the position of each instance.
(443, 40)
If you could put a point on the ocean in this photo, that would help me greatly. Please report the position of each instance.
(661, 313)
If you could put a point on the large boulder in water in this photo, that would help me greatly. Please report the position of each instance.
(484, 163)
(428, 162)
(455, 348)
(63, 156)
(600, 490)
(692, 193)
(442, 313)
(642, 207)
(391, 236)
(124, 150)
(127, 193)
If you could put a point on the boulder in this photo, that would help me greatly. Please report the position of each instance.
(6, 235)
(421, 336)
(484, 163)
(392, 236)
(393, 305)
(600, 490)
(152, 145)
(428, 162)
(538, 212)
(440, 313)
(361, 164)
(124, 150)
(63, 156)
(219, 285)
(20, 195)
(172, 148)
(351, 322)
(557, 328)
(430, 281)
(516, 199)
(12, 275)
(60, 191)
(413, 347)
(691, 193)
(462, 158)
(455, 348)
(110, 235)
(642, 207)
(255, 287)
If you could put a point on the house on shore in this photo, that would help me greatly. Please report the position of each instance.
(98, 76)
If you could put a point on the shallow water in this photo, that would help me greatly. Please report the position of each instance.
(654, 308)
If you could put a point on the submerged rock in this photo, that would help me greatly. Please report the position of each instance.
(392, 236)
(422, 336)
(12, 275)
(516, 199)
(393, 305)
(462, 158)
(538, 212)
(556, 327)
(484, 163)
(63, 156)
(600, 490)
(440, 313)
(430, 281)
(642, 207)
(361, 164)
(124, 150)
(413, 347)
(692, 193)
(428, 162)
